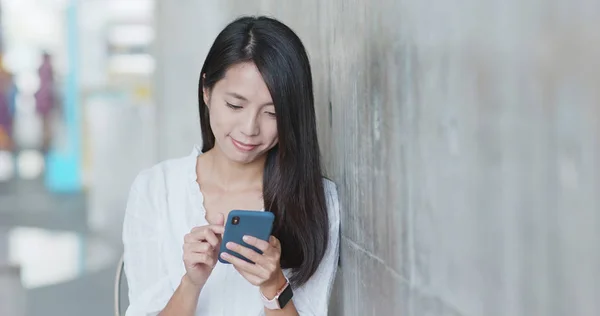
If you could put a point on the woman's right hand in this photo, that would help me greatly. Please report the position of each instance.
(200, 251)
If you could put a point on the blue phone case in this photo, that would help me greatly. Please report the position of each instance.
(253, 223)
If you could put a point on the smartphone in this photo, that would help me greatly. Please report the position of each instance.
(240, 223)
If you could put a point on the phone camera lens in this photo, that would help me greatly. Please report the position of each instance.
(235, 220)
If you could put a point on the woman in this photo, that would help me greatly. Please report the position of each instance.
(8, 91)
(260, 152)
(45, 99)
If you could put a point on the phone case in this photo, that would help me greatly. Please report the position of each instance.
(253, 223)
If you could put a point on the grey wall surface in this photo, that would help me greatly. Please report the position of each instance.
(185, 31)
(463, 136)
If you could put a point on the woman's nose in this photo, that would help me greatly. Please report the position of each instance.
(250, 125)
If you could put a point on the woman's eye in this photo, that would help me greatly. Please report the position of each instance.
(271, 114)
(235, 107)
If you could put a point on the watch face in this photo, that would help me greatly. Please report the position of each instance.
(285, 296)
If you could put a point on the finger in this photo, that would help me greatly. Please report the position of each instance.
(191, 259)
(245, 251)
(256, 242)
(199, 247)
(208, 233)
(201, 236)
(211, 238)
(217, 229)
(274, 242)
(244, 266)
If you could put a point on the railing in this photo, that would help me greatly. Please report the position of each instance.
(117, 291)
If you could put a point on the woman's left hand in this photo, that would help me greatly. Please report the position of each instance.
(266, 272)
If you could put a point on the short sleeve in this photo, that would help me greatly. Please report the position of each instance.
(312, 298)
(147, 278)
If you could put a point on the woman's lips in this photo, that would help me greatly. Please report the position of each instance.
(242, 146)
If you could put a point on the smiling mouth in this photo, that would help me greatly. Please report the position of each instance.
(243, 146)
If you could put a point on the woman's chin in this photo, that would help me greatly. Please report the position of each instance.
(243, 157)
(236, 155)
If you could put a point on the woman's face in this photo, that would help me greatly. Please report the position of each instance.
(242, 114)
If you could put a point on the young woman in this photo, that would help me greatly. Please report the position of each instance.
(260, 152)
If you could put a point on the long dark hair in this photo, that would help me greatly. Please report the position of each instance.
(293, 179)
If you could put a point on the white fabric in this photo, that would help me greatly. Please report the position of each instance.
(164, 204)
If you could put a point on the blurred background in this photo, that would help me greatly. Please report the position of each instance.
(463, 135)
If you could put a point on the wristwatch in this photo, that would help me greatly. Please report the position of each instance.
(283, 296)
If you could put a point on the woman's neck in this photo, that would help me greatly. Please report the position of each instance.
(230, 175)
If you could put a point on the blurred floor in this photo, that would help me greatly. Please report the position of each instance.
(89, 295)
(27, 203)
(66, 269)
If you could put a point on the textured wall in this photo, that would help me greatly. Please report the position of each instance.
(463, 136)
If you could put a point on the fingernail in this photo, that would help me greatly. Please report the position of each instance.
(246, 238)
(230, 245)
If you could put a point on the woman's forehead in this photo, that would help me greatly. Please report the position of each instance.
(245, 82)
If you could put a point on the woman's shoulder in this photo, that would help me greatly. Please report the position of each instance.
(151, 188)
(329, 187)
(332, 199)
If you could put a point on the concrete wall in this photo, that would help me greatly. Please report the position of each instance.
(463, 136)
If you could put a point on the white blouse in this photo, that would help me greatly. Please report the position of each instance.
(164, 204)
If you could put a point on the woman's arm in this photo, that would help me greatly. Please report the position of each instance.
(265, 272)
(184, 300)
(199, 257)
(151, 291)
(312, 298)
(269, 291)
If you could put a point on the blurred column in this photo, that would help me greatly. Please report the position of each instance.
(119, 116)
(63, 172)
(12, 293)
(3, 245)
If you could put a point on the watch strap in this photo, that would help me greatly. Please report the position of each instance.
(279, 301)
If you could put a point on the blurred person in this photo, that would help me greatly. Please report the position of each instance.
(8, 91)
(45, 99)
(260, 152)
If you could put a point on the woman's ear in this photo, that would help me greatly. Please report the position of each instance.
(206, 96)
(205, 91)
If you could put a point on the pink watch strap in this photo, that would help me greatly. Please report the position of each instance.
(274, 303)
